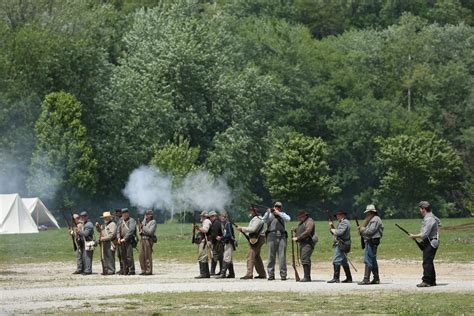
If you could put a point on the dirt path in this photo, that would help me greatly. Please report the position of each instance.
(29, 288)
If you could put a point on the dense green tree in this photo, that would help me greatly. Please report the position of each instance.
(63, 168)
(297, 171)
(420, 167)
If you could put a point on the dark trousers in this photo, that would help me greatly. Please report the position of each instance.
(429, 273)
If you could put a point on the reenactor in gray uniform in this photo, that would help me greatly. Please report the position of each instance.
(306, 236)
(256, 235)
(79, 242)
(126, 232)
(372, 232)
(204, 248)
(86, 233)
(276, 240)
(147, 229)
(342, 246)
(429, 234)
(108, 239)
(117, 220)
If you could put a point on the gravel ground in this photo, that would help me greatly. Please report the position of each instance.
(30, 288)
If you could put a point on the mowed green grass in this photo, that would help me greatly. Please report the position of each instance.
(283, 303)
(174, 243)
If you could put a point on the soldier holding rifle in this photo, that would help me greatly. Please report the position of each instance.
(228, 239)
(305, 235)
(126, 231)
(372, 232)
(429, 234)
(147, 229)
(86, 233)
(256, 236)
(107, 239)
(204, 246)
(77, 225)
(342, 246)
(276, 240)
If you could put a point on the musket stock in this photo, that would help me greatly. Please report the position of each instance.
(362, 242)
(297, 277)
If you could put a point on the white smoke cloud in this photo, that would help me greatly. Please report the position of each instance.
(148, 188)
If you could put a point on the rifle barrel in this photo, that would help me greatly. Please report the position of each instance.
(416, 241)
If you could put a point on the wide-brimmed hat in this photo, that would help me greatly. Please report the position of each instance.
(370, 208)
(204, 214)
(302, 213)
(341, 212)
(106, 214)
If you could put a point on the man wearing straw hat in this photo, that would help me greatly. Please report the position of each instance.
(108, 238)
(372, 232)
(305, 235)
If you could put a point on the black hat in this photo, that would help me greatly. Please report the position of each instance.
(341, 212)
(302, 213)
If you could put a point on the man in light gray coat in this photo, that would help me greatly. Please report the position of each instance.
(372, 232)
(342, 246)
(277, 239)
(429, 234)
(108, 237)
(148, 238)
(126, 232)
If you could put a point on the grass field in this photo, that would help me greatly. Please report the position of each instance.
(282, 303)
(457, 244)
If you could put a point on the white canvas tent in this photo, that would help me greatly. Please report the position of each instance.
(40, 213)
(14, 216)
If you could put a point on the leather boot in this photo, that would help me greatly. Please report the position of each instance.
(307, 273)
(337, 272)
(225, 266)
(347, 271)
(366, 279)
(201, 271)
(376, 279)
(206, 270)
(213, 267)
(231, 271)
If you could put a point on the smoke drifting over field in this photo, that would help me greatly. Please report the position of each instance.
(147, 187)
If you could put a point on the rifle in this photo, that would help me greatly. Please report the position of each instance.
(245, 235)
(193, 238)
(362, 242)
(420, 245)
(297, 277)
(74, 245)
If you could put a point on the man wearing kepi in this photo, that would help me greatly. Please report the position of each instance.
(148, 238)
(256, 236)
(204, 246)
(305, 235)
(108, 237)
(86, 233)
(217, 246)
(342, 246)
(372, 232)
(79, 242)
(277, 238)
(126, 240)
(228, 239)
(429, 234)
